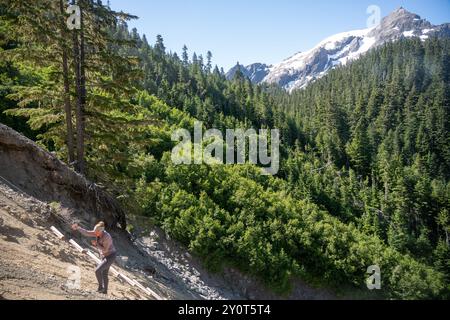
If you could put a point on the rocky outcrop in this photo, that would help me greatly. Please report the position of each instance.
(256, 72)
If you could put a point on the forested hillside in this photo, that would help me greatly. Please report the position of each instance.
(381, 126)
(365, 166)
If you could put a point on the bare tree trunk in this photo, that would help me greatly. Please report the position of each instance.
(81, 142)
(386, 190)
(447, 238)
(78, 52)
(76, 66)
(67, 104)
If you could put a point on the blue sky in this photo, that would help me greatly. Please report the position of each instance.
(266, 31)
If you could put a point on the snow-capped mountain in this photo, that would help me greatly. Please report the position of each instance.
(255, 72)
(304, 67)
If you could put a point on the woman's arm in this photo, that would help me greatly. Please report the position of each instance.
(84, 231)
(87, 233)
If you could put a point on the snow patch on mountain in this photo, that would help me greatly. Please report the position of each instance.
(409, 33)
(299, 70)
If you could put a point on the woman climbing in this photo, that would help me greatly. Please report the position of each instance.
(104, 243)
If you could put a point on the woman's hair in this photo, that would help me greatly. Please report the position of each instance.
(100, 226)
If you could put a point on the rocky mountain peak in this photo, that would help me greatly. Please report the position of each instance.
(399, 22)
(303, 68)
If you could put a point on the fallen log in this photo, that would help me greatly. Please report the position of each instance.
(130, 282)
(93, 256)
(77, 246)
(57, 233)
(114, 272)
(148, 291)
(158, 297)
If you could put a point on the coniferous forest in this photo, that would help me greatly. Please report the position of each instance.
(365, 152)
